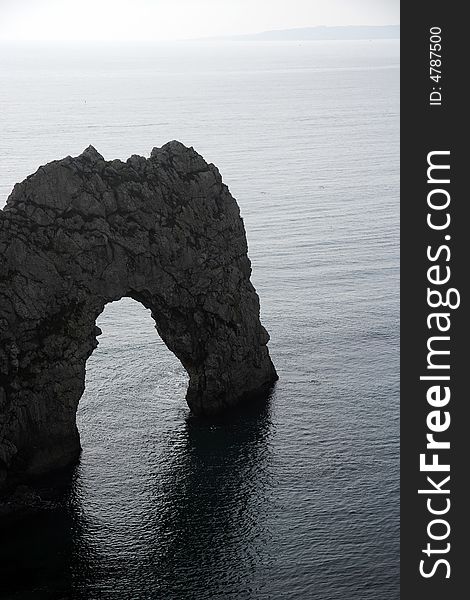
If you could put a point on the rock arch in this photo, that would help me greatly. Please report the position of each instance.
(82, 232)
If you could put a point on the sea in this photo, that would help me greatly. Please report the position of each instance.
(295, 499)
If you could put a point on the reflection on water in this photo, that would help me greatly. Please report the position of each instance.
(208, 499)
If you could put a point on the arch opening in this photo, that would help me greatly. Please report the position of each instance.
(132, 359)
(133, 386)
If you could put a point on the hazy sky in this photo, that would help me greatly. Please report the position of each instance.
(179, 19)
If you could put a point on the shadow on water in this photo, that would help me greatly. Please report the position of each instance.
(36, 550)
(211, 530)
(202, 536)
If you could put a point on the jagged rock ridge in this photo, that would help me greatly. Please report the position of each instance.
(82, 232)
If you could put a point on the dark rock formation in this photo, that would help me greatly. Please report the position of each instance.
(82, 232)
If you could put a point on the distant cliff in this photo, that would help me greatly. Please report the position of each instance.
(82, 232)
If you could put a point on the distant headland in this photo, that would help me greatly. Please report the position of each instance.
(350, 32)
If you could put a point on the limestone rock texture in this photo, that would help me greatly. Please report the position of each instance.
(82, 232)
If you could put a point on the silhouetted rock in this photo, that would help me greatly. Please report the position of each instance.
(82, 232)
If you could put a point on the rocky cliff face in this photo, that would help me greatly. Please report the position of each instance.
(82, 232)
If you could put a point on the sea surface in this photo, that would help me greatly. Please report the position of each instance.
(297, 499)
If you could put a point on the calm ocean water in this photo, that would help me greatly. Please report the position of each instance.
(299, 500)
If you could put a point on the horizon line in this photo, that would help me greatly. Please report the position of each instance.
(222, 37)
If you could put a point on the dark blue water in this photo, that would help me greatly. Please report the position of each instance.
(298, 498)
